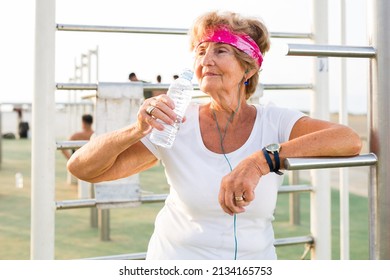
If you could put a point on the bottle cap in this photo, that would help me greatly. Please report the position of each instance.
(187, 74)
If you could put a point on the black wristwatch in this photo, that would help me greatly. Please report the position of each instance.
(274, 149)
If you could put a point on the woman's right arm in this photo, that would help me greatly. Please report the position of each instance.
(120, 153)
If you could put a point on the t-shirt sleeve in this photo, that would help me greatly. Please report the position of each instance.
(284, 119)
(151, 147)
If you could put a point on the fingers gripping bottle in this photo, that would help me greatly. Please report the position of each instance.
(180, 92)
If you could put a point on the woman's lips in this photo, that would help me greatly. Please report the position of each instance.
(209, 74)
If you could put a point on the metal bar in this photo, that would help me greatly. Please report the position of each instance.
(158, 30)
(291, 35)
(134, 256)
(121, 29)
(73, 204)
(104, 222)
(43, 138)
(278, 242)
(320, 204)
(76, 86)
(294, 240)
(287, 86)
(153, 198)
(344, 172)
(89, 96)
(87, 203)
(1, 137)
(94, 212)
(331, 50)
(75, 144)
(380, 130)
(294, 199)
(330, 162)
(153, 86)
(295, 189)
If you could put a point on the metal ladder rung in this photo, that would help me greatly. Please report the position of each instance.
(295, 188)
(278, 242)
(134, 256)
(88, 203)
(294, 240)
(330, 162)
(64, 145)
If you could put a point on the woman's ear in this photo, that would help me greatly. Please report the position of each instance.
(250, 73)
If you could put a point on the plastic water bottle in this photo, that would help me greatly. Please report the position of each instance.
(180, 92)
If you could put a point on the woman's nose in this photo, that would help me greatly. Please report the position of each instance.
(208, 58)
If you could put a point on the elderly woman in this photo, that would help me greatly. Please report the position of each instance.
(224, 167)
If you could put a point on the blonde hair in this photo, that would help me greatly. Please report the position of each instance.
(236, 23)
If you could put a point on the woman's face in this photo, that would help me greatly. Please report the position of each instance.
(217, 68)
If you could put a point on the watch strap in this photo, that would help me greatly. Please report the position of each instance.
(270, 163)
(277, 163)
(268, 159)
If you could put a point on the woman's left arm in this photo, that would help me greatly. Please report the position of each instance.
(315, 138)
(308, 138)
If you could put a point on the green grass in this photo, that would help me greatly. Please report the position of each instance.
(130, 228)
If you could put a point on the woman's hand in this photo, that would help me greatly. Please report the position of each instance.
(238, 187)
(153, 109)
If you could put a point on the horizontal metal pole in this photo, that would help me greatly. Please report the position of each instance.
(88, 96)
(153, 198)
(330, 50)
(153, 86)
(75, 144)
(295, 188)
(157, 30)
(74, 204)
(294, 241)
(330, 162)
(134, 256)
(76, 86)
(291, 35)
(29, 104)
(142, 256)
(121, 29)
(89, 203)
(287, 86)
(80, 86)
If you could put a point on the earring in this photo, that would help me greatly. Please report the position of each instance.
(246, 82)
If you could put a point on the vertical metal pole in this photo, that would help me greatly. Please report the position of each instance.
(95, 214)
(380, 128)
(295, 215)
(320, 221)
(1, 137)
(104, 224)
(97, 63)
(344, 172)
(43, 139)
(89, 66)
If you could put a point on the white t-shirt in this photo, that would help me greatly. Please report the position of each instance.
(192, 225)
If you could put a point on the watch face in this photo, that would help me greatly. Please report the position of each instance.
(273, 148)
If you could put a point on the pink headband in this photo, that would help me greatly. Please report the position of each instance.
(243, 42)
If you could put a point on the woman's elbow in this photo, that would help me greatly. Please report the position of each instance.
(354, 144)
(76, 169)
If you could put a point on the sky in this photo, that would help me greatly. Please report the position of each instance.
(150, 55)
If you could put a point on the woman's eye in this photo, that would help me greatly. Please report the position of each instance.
(200, 52)
(221, 50)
